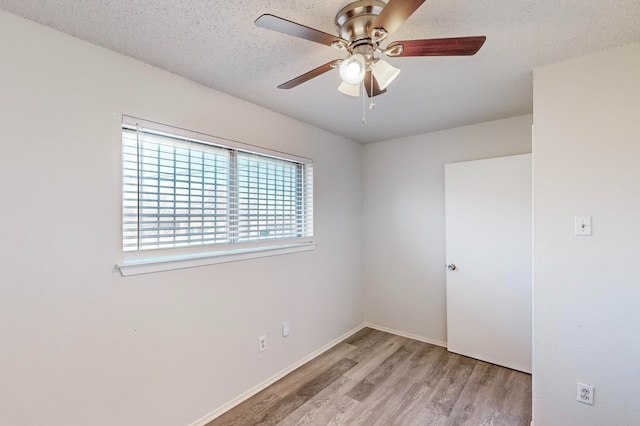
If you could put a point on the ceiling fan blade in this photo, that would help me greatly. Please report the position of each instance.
(458, 46)
(372, 86)
(284, 26)
(394, 14)
(309, 75)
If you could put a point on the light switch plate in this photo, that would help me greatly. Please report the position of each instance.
(583, 225)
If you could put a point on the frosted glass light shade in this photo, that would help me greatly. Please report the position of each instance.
(384, 73)
(352, 69)
(350, 89)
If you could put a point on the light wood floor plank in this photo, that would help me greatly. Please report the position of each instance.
(333, 414)
(371, 359)
(322, 404)
(244, 413)
(446, 394)
(478, 400)
(384, 390)
(295, 399)
(376, 378)
(310, 370)
(370, 344)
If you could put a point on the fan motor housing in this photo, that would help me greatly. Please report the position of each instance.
(355, 19)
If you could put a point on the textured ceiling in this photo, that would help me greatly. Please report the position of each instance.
(215, 43)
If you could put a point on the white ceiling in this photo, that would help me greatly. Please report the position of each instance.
(215, 43)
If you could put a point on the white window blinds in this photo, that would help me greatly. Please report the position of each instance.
(182, 189)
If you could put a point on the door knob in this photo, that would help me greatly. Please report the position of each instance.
(452, 267)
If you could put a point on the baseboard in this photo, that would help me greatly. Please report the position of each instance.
(248, 394)
(407, 335)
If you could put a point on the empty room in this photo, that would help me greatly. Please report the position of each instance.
(396, 212)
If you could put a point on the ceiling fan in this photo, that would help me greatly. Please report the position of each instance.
(362, 26)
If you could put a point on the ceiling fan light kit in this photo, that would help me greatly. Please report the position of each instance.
(361, 26)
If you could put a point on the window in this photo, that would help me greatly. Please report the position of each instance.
(185, 192)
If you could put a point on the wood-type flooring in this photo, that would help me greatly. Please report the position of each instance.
(377, 378)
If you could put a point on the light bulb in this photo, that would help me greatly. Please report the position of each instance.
(352, 69)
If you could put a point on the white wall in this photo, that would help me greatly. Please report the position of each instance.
(587, 289)
(404, 224)
(79, 344)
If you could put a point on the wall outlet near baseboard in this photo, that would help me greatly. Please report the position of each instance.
(262, 341)
(585, 394)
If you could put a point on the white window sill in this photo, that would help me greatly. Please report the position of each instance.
(170, 263)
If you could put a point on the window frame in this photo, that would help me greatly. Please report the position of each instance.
(143, 261)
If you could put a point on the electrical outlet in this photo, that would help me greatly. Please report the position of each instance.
(263, 343)
(585, 394)
(285, 329)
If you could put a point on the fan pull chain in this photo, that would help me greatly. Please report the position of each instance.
(372, 104)
(364, 110)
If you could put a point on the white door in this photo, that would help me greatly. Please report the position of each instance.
(489, 227)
